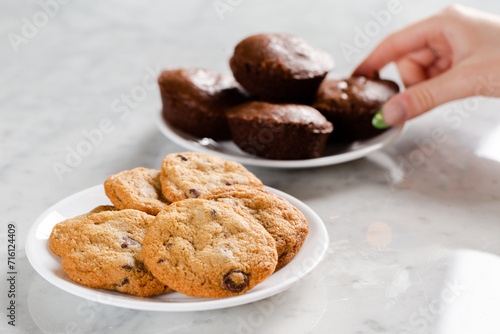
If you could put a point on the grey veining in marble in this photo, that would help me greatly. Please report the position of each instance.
(413, 228)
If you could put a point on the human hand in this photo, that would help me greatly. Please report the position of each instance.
(446, 57)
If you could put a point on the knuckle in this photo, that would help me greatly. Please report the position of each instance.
(454, 14)
(453, 9)
(422, 99)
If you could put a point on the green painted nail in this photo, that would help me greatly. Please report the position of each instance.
(378, 121)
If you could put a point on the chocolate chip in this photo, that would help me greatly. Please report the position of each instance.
(229, 200)
(125, 281)
(127, 267)
(194, 192)
(235, 281)
(183, 157)
(229, 183)
(128, 242)
(213, 213)
(161, 260)
(169, 245)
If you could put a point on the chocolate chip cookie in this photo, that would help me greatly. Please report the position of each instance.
(282, 220)
(188, 175)
(138, 189)
(104, 250)
(204, 248)
(59, 235)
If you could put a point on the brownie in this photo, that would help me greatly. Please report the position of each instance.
(279, 131)
(194, 100)
(280, 67)
(351, 103)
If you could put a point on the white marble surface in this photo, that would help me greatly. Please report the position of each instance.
(414, 229)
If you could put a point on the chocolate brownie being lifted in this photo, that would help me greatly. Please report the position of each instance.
(351, 103)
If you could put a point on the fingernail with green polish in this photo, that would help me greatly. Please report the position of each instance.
(378, 121)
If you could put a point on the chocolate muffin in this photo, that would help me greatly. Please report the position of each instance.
(194, 100)
(279, 131)
(351, 103)
(280, 67)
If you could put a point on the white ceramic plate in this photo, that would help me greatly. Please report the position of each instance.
(333, 153)
(48, 265)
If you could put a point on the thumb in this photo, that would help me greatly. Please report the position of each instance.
(426, 95)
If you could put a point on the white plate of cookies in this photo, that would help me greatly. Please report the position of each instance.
(202, 233)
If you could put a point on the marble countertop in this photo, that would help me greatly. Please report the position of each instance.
(414, 228)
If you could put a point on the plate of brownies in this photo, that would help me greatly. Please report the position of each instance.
(202, 233)
(277, 109)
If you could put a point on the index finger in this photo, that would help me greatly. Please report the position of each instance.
(398, 44)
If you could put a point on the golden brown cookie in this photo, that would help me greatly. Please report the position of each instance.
(203, 248)
(282, 220)
(104, 251)
(59, 235)
(138, 189)
(188, 175)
